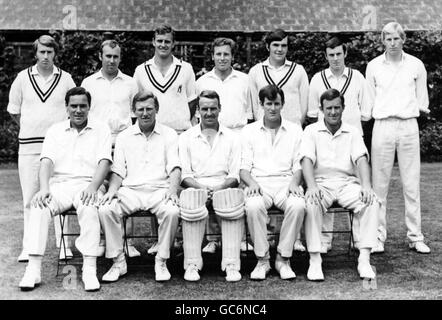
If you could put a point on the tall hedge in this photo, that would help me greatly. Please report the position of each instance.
(79, 56)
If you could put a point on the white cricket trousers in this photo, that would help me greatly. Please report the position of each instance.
(28, 170)
(130, 201)
(402, 136)
(347, 194)
(65, 195)
(274, 193)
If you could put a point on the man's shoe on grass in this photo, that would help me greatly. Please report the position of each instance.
(117, 270)
(30, 280)
(232, 274)
(365, 270)
(261, 270)
(90, 280)
(314, 272)
(420, 247)
(284, 269)
(191, 273)
(161, 271)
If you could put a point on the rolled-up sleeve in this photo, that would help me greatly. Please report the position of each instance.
(184, 155)
(358, 148)
(308, 146)
(49, 148)
(104, 151)
(119, 165)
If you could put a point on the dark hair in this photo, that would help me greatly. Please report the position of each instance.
(275, 35)
(47, 41)
(164, 29)
(331, 94)
(111, 43)
(77, 91)
(209, 94)
(271, 93)
(218, 42)
(143, 96)
(335, 42)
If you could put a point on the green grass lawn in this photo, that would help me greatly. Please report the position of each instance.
(401, 273)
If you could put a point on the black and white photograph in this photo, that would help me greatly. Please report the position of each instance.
(221, 156)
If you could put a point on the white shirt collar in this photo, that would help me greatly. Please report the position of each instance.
(175, 61)
(34, 70)
(197, 131)
(329, 73)
(344, 128)
(384, 57)
(99, 74)
(283, 124)
(91, 124)
(212, 74)
(135, 128)
(267, 63)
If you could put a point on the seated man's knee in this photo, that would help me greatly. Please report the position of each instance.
(312, 208)
(171, 211)
(296, 204)
(254, 205)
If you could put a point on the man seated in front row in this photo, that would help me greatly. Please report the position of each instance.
(145, 176)
(271, 172)
(74, 162)
(330, 151)
(210, 155)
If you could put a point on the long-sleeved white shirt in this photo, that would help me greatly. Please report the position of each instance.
(398, 91)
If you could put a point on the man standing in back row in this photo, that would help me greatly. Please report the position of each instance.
(286, 75)
(36, 101)
(171, 80)
(232, 86)
(112, 93)
(352, 85)
(398, 82)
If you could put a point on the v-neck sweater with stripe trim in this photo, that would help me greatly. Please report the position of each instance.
(38, 108)
(292, 79)
(174, 91)
(356, 95)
